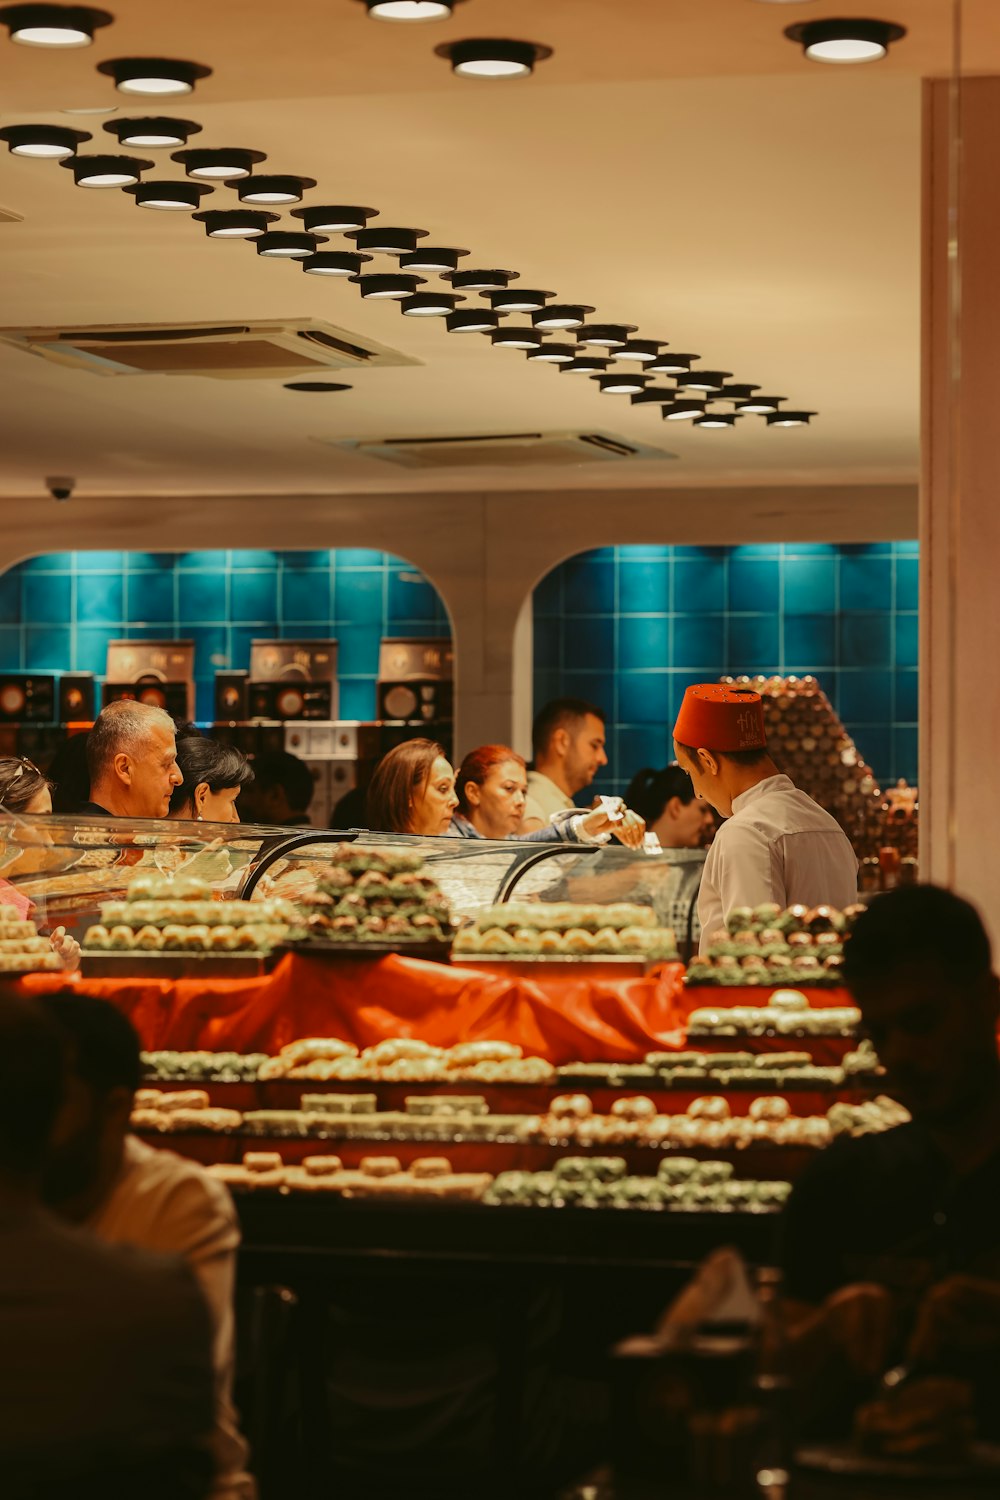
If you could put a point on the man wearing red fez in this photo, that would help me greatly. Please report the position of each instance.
(776, 844)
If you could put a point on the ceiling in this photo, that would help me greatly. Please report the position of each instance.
(677, 163)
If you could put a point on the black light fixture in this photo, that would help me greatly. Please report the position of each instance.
(789, 418)
(520, 301)
(683, 411)
(702, 380)
(162, 76)
(270, 190)
(656, 395)
(411, 10)
(429, 304)
(642, 350)
(388, 240)
(179, 196)
(760, 406)
(621, 384)
(227, 164)
(235, 223)
(334, 263)
(584, 365)
(731, 392)
(553, 354)
(561, 315)
(43, 142)
(53, 25)
(388, 288)
(316, 386)
(671, 364)
(472, 320)
(516, 337)
(716, 419)
(151, 131)
(606, 335)
(436, 259)
(845, 41)
(481, 281)
(99, 171)
(334, 218)
(482, 57)
(287, 244)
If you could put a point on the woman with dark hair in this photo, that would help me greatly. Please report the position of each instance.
(666, 799)
(492, 788)
(412, 790)
(26, 793)
(214, 775)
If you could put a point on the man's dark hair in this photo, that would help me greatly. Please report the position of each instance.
(32, 1081)
(281, 768)
(649, 791)
(738, 757)
(921, 924)
(559, 714)
(102, 1043)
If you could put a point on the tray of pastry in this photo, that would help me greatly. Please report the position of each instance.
(430, 948)
(613, 965)
(136, 964)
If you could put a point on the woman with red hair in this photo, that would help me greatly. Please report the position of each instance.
(492, 786)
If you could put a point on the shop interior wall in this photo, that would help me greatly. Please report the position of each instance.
(483, 552)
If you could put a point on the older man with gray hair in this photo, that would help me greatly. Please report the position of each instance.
(132, 759)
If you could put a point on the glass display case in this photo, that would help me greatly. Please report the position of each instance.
(67, 866)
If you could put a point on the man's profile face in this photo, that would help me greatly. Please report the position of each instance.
(155, 773)
(585, 754)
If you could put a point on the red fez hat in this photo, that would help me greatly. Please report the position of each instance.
(720, 718)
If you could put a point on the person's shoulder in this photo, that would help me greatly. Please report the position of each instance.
(168, 1203)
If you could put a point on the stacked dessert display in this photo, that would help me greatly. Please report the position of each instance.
(22, 949)
(565, 929)
(374, 898)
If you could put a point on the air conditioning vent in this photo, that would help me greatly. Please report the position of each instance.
(223, 351)
(504, 450)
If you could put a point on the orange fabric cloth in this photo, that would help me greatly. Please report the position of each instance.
(720, 718)
(563, 1019)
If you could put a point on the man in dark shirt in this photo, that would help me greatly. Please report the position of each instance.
(891, 1242)
(132, 759)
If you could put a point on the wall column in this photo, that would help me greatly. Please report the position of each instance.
(960, 494)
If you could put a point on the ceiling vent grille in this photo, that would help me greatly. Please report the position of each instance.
(223, 351)
(504, 450)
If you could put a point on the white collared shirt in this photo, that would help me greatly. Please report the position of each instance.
(779, 845)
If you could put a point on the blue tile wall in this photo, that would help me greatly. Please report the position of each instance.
(58, 612)
(631, 627)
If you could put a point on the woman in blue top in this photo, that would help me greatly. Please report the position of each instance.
(492, 787)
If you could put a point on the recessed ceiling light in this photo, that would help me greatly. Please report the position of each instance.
(437, 260)
(53, 25)
(335, 218)
(411, 10)
(702, 380)
(387, 240)
(388, 287)
(429, 304)
(316, 385)
(270, 189)
(235, 223)
(683, 411)
(584, 365)
(553, 354)
(517, 338)
(606, 335)
(152, 131)
(731, 392)
(482, 57)
(481, 281)
(334, 263)
(642, 350)
(789, 418)
(96, 171)
(845, 41)
(520, 301)
(44, 142)
(153, 75)
(716, 419)
(168, 195)
(472, 320)
(92, 109)
(286, 244)
(225, 164)
(760, 405)
(621, 384)
(561, 315)
(671, 364)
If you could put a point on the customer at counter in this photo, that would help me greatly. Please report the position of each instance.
(776, 844)
(214, 776)
(281, 791)
(567, 743)
(26, 794)
(492, 788)
(667, 801)
(891, 1242)
(132, 758)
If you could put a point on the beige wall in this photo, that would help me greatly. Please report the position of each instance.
(484, 552)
